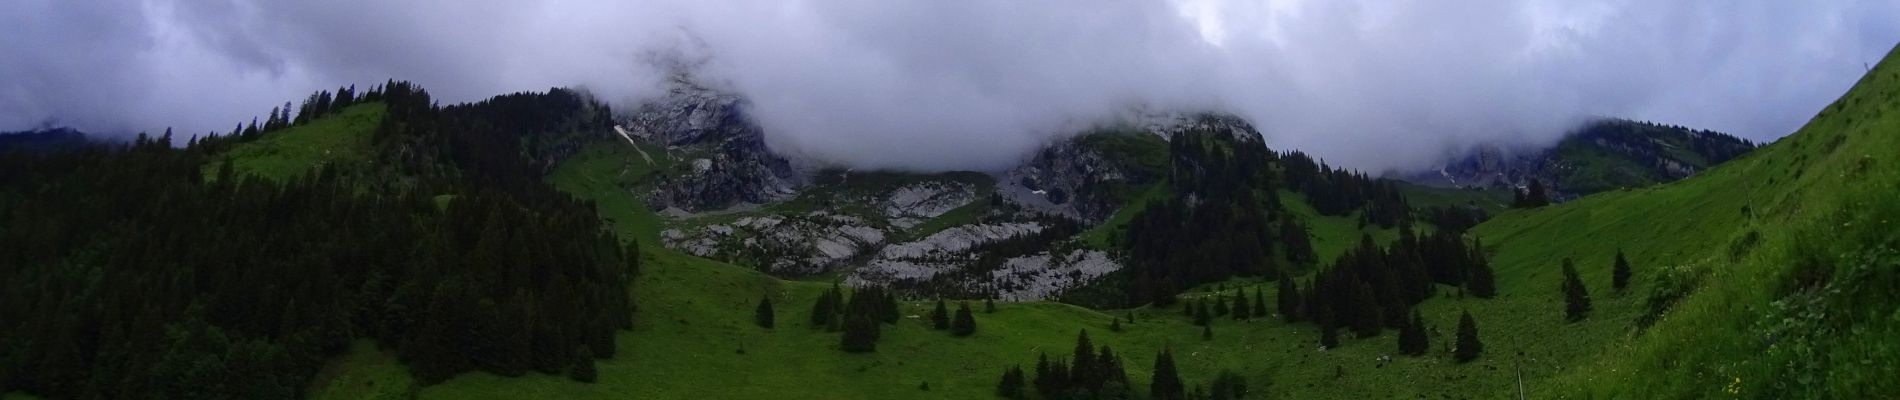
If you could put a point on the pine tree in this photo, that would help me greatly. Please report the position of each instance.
(822, 311)
(583, 370)
(1468, 346)
(763, 315)
(1011, 385)
(1620, 274)
(1328, 333)
(1083, 364)
(1045, 377)
(1207, 332)
(1479, 279)
(940, 316)
(1576, 297)
(1412, 340)
(1242, 309)
(1166, 381)
(1202, 316)
(887, 309)
(1537, 197)
(860, 333)
(1220, 305)
(1188, 308)
(989, 306)
(1289, 300)
(965, 324)
(1116, 325)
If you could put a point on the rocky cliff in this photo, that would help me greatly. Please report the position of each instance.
(721, 154)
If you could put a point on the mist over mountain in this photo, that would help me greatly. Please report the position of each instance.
(976, 85)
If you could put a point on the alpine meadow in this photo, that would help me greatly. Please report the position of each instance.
(1189, 199)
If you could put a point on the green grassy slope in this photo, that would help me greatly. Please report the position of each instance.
(342, 139)
(1761, 234)
(1744, 235)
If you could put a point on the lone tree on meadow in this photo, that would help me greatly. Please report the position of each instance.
(1620, 274)
(763, 315)
(940, 316)
(1468, 346)
(965, 324)
(1576, 297)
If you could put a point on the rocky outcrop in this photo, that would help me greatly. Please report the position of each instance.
(939, 253)
(1087, 177)
(725, 159)
(799, 245)
(1043, 275)
(908, 205)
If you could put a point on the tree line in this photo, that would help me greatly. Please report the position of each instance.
(134, 274)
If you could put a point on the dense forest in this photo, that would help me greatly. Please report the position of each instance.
(132, 272)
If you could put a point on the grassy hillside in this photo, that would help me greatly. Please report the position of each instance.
(342, 139)
(1778, 295)
(1785, 253)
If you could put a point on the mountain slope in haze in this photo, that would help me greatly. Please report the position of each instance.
(1603, 155)
(41, 140)
(1771, 276)
(1718, 255)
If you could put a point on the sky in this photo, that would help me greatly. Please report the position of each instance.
(978, 84)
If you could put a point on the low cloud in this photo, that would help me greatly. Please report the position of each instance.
(977, 84)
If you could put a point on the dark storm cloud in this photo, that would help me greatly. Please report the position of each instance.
(975, 84)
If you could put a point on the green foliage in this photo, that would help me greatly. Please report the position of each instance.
(965, 323)
(763, 315)
(1166, 382)
(1620, 272)
(1468, 346)
(1576, 297)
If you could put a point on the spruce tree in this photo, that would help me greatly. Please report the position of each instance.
(583, 369)
(1576, 297)
(763, 315)
(1011, 385)
(1537, 197)
(1620, 274)
(1207, 332)
(1242, 309)
(860, 333)
(1220, 305)
(1468, 346)
(965, 323)
(1082, 362)
(821, 312)
(1116, 325)
(1045, 376)
(1412, 340)
(1289, 299)
(940, 316)
(1166, 382)
(1480, 280)
(989, 306)
(1328, 333)
(1202, 316)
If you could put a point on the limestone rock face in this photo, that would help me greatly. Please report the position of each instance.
(726, 158)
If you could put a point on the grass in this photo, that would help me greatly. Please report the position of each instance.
(342, 139)
(363, 372)
(1741, 226)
